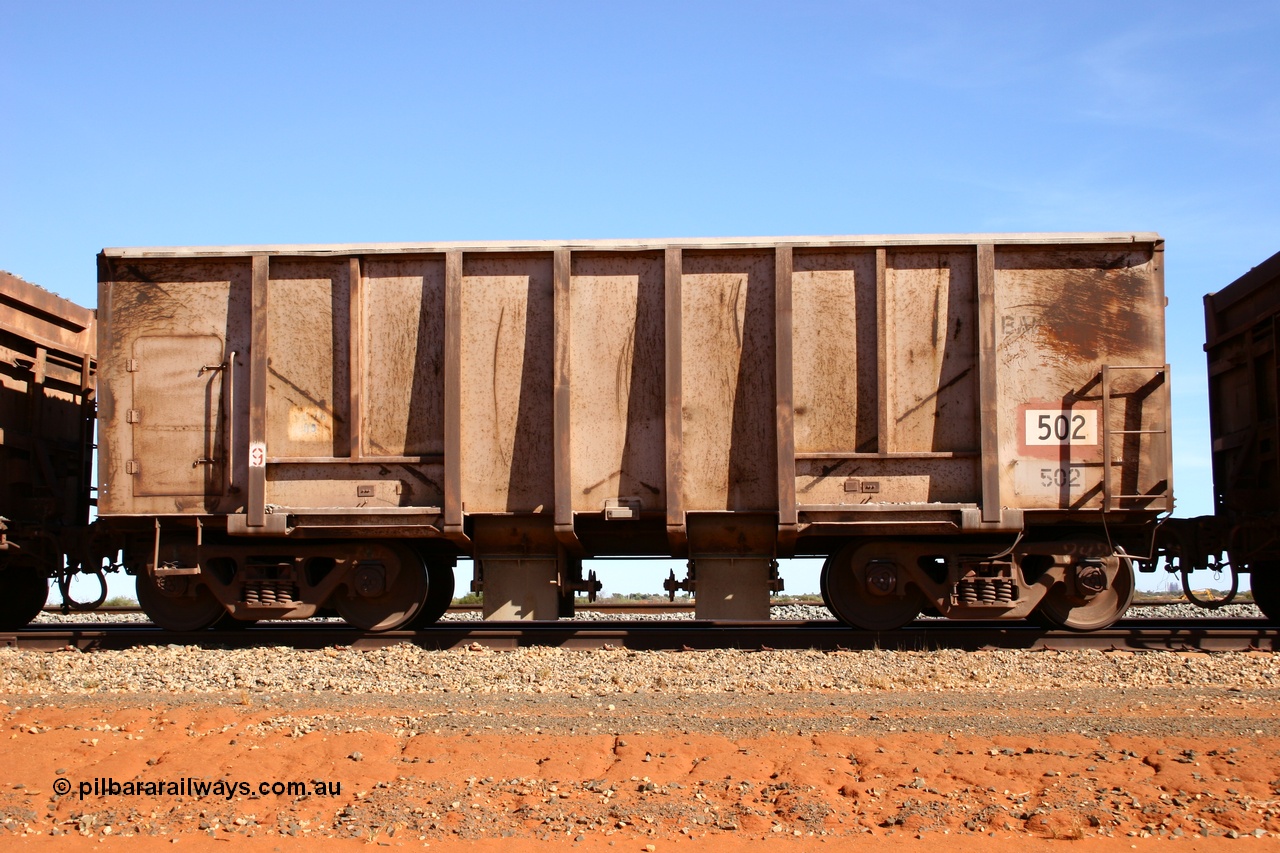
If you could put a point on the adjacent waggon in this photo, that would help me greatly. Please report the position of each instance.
(47, 374)
(1242, 324)
(973, 425)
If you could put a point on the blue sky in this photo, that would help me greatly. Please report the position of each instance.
(174, 123)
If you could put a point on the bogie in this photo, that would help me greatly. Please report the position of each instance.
(374, 586)
(1076, 583)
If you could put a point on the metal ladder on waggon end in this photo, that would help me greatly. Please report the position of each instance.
(1158, 384)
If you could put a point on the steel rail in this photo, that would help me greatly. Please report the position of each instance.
(1130, 635)
(630, 607)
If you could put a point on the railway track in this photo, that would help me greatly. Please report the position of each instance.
(1131, 635)
(613, 607)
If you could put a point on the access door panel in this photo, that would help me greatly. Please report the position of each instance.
(177, 416)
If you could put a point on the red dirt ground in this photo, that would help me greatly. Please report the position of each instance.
(715, 774)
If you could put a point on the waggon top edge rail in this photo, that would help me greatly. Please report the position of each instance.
(853, 241)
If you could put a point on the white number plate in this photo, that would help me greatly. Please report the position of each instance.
(1062, 426)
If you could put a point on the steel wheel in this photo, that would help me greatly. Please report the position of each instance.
(373, 600)
(849, 598)
(23, 591)
(1062, 607)
(440, 585)
(1264, 580)
(178, 603)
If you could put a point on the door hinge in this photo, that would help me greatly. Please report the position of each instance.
(133, 416)
(131, 365)
(131, 467)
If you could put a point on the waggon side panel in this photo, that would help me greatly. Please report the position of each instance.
(904, 376)
(355, 383)
(1062, 315)
(883, 387)
(834, 334)
(403, 357)
(617, 396)
(506, 395)
(728, 418)
(932, 322)
(164, 320)
(308, 368)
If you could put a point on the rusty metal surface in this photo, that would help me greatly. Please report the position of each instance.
(177, 416)
(1062, 314)
(47, 378)
(308, 373)
(1047, 238)
(506, 400)
(617, 402)
(402, 371)
(933, 376)
(835, 375)
(1242, 327)
(161, 321)
(1250, 298)
(44, 318)
(648, 387)
(728, 420)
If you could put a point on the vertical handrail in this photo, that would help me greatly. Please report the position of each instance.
(1106, 438)
(231, 422)
(259, 341)
(1168, 437)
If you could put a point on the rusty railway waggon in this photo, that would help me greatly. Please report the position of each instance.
(1242, 325)
(47, 375)
(976, 425)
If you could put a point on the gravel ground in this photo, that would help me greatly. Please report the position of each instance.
(407, 669)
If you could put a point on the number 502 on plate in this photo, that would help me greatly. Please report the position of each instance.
(1061, 426)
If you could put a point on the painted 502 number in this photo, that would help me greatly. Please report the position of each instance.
(1059, 477)
(1062, 426)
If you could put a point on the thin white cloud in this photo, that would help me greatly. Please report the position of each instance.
(1168, 77)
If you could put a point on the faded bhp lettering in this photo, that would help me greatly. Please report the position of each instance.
(1014, 323)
